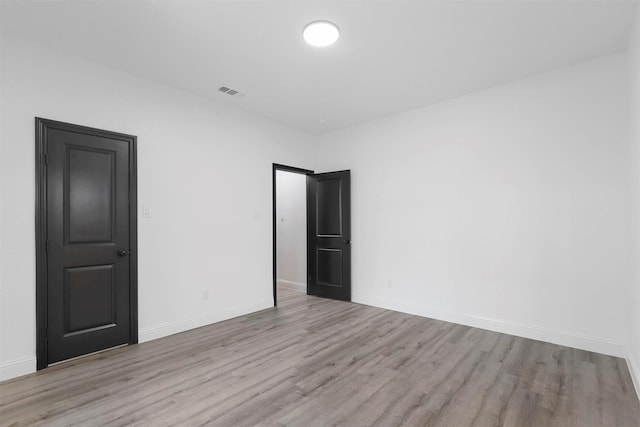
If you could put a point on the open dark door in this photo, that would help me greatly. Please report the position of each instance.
(329, 240)
(86, 287)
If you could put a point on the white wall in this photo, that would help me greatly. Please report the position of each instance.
(203, 168)
(291, 203)
(2, 293)
(634, 115)
(506, 209)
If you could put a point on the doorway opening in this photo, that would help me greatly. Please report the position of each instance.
(289, 229)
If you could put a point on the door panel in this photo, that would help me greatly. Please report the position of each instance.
(329, 240)
(329, 207)
(329, 267)
(89, 298)
(90, 195)
(88, 222)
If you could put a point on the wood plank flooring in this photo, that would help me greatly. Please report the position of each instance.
(317, 362)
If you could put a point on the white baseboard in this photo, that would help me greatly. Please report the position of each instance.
(27, 365)
(171, 328)
(294, 286)
(634, 369)
(581, 342)
(17, 367)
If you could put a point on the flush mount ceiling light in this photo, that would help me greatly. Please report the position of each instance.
(321, 33)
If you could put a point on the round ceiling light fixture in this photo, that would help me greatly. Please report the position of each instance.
(321, 33)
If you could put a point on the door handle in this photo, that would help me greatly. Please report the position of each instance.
(123, 252)
(347, 241)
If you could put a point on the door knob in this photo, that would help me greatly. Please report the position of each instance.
(123, 252)
(347, 241)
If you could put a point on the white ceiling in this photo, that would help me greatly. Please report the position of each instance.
(391, 56)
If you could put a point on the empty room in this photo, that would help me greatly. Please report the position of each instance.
(320, 213)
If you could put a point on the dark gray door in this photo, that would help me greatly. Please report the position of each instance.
(88, 240)
(329, 239)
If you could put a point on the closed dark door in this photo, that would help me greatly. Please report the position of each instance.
(89, 238)
(329, 240)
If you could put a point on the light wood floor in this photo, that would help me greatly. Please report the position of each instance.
(315, 362)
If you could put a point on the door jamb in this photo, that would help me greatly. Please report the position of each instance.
(279, 167)
(41, 230)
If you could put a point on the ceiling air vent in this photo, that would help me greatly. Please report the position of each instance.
(230, 92)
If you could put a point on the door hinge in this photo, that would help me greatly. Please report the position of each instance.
(46, 160)
(46, 246)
